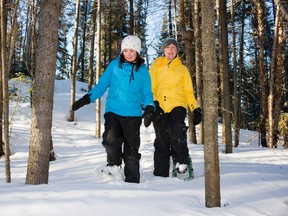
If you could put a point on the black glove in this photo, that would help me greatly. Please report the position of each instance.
(81, 102)
(147, 115)
(197, 116)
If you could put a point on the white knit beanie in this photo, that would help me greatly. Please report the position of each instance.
(131, 42)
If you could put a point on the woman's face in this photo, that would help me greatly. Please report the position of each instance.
(170, 52)
(130, 55)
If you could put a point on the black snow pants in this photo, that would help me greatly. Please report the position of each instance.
(171, 140)
(121, 130)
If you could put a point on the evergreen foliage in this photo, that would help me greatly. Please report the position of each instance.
(115, 26)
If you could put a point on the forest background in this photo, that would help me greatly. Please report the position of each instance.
(239, 66)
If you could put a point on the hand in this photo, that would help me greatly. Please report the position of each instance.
(147, 115)
(197, 116)
(81, 102)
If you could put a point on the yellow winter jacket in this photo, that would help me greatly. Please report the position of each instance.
(172, 85)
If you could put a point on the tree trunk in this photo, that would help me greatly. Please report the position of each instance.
(170, 19)
(109, 45)
(278, 83)
(1, 94)
(33, 44)
(241, 54)
(224, 75)
(187, 37)
(210, 101)
(8, 49)
(280, 59)
(198, 63)
(74, 61)
(43, 87)
(5, 76)
(175, 19)
(131, 18)
(262, 73)
(98, 70)
(91, 58)
(284, 120)
(84, 27)
(281, 7)
(33, 39)
(236, 89)
(271, 100)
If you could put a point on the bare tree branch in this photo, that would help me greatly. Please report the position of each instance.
(280, 4)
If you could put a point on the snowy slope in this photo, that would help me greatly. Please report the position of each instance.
(254, 180)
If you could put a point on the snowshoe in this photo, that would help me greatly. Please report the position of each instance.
(112, 172)
(183, 171)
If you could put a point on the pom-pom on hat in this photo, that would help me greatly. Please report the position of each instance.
(169, 41)
(131, 42)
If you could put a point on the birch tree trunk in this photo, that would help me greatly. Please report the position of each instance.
(98, 70)
(74, 61)
(43, 87)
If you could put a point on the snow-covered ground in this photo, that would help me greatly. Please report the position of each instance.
(254, 180)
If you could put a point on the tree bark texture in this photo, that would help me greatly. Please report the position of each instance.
(98, 71)
(187, 37)
(91, 57)
(43, 91)
(262, 74)
(74, 61)
(225, 76)
(198, 64)
(5, 75)
(210, 100)
(278, 92)
(235, 79)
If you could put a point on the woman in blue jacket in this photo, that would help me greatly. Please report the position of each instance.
(129, 89)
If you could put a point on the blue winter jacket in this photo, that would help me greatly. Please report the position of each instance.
(128, 91)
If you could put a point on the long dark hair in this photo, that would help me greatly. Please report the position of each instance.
(138, 61)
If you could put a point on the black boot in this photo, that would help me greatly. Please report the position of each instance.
(132, 167)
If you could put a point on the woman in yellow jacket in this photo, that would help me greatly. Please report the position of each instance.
(173, 94)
